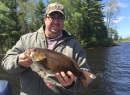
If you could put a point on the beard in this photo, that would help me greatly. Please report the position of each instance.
(55, 31)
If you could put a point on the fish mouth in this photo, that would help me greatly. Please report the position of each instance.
(35, 54)
(30, 54)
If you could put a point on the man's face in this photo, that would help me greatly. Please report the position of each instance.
(54, 24)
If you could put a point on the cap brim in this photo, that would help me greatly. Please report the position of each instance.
(56, 11)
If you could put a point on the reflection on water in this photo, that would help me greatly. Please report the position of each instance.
(111, 64)
(114, 65)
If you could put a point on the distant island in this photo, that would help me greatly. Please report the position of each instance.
(126, 39)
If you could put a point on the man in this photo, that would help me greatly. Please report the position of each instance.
(51, 36)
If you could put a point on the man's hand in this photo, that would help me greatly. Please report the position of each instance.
(65, 80)
(24, 60)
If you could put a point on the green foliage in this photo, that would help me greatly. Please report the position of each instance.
(14, 37)
(112, 33)
(84, 19)
(3, 37)
(10, 18)
(5, 49)
(126, 39)
(17, 18)
(37, 19)
(9, 21)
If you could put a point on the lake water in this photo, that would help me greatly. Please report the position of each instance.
(110, 64)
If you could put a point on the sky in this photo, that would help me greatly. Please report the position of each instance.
(122, 22)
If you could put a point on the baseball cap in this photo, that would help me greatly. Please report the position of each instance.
(55, 7)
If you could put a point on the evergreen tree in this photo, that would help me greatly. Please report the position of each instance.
(85, 20)
(37, 19)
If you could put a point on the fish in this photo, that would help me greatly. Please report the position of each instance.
(55, 62)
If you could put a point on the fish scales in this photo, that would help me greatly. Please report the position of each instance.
(57, 62)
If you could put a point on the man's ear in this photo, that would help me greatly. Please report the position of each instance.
(44, 18)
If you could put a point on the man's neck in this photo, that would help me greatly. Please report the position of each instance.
(55, 38)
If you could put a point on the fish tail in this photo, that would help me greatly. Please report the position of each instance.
(86, 78)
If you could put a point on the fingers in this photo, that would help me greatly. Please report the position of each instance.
(71, 74)
(60, 78)
(24, 61)
(64, 79)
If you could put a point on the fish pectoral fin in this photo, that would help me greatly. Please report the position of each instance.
(42, 73)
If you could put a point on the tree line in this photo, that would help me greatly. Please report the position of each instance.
(84, 19)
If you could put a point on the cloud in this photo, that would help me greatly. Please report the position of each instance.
(118, 19)
(122, 5)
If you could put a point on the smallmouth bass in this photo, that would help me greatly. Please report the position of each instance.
(56, 62)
